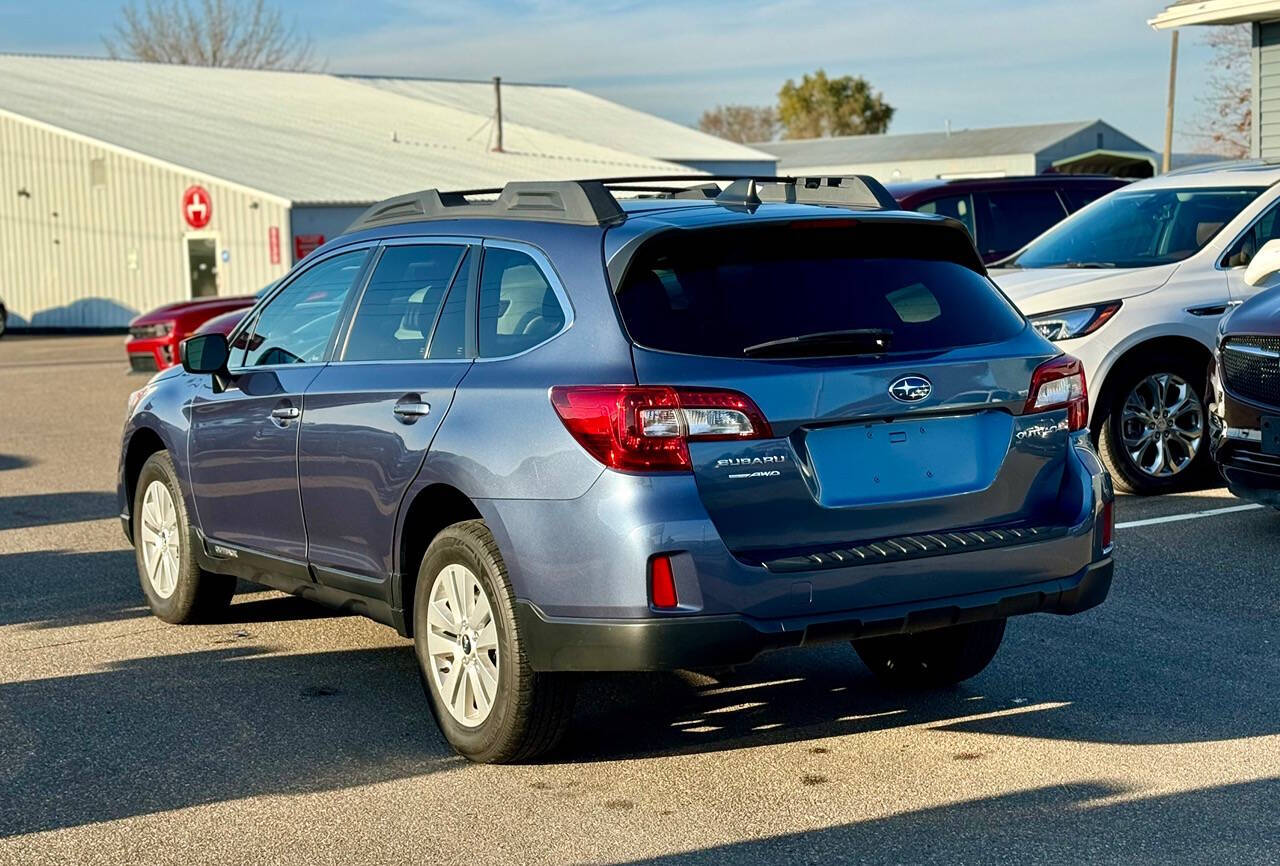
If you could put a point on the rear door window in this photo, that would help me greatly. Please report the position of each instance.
(399, 307)
(720, 292)
(1009, 219)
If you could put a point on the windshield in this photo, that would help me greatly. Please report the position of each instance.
(1137, 229)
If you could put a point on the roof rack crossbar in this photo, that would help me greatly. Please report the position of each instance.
(591, 202)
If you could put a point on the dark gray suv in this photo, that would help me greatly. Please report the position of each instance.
(554, 431)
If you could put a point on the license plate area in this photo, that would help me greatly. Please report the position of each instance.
(1271, 434)
(868, 464)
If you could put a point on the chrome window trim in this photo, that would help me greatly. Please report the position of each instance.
(466, 243)
(552, 277)
(284, 282)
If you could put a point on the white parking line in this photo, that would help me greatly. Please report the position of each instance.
(1190, 515)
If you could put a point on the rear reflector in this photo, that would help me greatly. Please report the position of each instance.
(662, 583)
(1059, 384)
(1108, 530)
(643, 428)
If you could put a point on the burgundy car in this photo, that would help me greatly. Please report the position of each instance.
(154, 336)
(1245, 399)
(1003, 214)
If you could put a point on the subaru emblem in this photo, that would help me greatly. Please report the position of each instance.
(910, 389)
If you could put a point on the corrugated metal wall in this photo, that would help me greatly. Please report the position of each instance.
(90, 236)
(1267, 101)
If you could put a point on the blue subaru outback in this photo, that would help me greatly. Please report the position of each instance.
(550, 429)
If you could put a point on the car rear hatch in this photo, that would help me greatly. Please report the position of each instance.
(891, 375)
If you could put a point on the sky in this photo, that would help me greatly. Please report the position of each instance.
(973, 64)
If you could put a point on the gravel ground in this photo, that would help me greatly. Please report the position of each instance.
(1146, 730)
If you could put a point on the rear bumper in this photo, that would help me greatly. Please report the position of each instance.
(575, 644)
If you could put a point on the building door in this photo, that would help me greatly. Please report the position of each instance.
(202, 265)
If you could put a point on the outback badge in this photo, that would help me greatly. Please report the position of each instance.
(910, 389)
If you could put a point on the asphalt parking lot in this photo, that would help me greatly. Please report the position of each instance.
(1146, 730)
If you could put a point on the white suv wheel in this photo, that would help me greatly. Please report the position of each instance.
(161, 539)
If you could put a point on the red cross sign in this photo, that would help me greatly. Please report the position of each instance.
(197, 207)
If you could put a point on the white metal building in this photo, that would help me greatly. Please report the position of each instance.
(126, 185)
(1091, 146)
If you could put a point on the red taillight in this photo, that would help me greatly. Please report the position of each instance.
(644, 428)
(1108, 530)
(662, 582)
(1059, 384)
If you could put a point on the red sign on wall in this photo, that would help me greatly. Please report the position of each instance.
(197, 207)
(304, 244)
(273, 244)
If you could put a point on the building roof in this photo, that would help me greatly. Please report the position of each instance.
(1188, 12)
(320, 138)
(960, 143)
(566, 111)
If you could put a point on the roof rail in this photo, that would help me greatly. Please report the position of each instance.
(860, 191)
(592, 203)
(580, 202)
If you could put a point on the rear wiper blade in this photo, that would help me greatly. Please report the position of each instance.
(856, 341)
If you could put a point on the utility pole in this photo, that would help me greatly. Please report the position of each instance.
(1168, 111)
(497, 96)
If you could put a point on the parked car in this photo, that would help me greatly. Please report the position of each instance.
(1245, 389)
(224, 324)
(154, 336)
(1004, 213)
(1134, 285)
(555, 432)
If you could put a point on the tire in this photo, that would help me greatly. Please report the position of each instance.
(1137, 384)
(527, 712)
(177, 590)
(929, 659)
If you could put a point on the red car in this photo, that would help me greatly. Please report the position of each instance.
(154, 336)
(1004, 213)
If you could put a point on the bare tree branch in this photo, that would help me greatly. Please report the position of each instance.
(742, 123)
(1225, 122)
(246, 34)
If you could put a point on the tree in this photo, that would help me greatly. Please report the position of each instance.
(1226, 117)
(741, 123)
(820, 106)
(241, 33)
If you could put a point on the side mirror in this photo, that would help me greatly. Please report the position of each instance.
(205, 353)
(1265, 263)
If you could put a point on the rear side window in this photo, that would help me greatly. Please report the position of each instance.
(958, 207)
(1009, 219)
(518, 307)
(720, 292)
(401, 303)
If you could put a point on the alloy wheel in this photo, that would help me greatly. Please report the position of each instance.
(462, 645)
(161, 544)
(1162, 425)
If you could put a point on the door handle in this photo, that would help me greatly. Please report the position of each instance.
(411, 411)
(286, 413)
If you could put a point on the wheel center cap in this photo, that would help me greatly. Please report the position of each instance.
(466, 644)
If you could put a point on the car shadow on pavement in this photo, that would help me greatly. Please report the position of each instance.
(161, 733)
(54, 589)
(1053, 679)
(1076, 823)
(47, 509)
(15, 461)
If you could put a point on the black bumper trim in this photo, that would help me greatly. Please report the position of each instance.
(916, 547)
(668, 643)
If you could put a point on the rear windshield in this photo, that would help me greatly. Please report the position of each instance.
(729, 292)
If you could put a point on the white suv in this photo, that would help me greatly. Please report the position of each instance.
(1134, 286)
